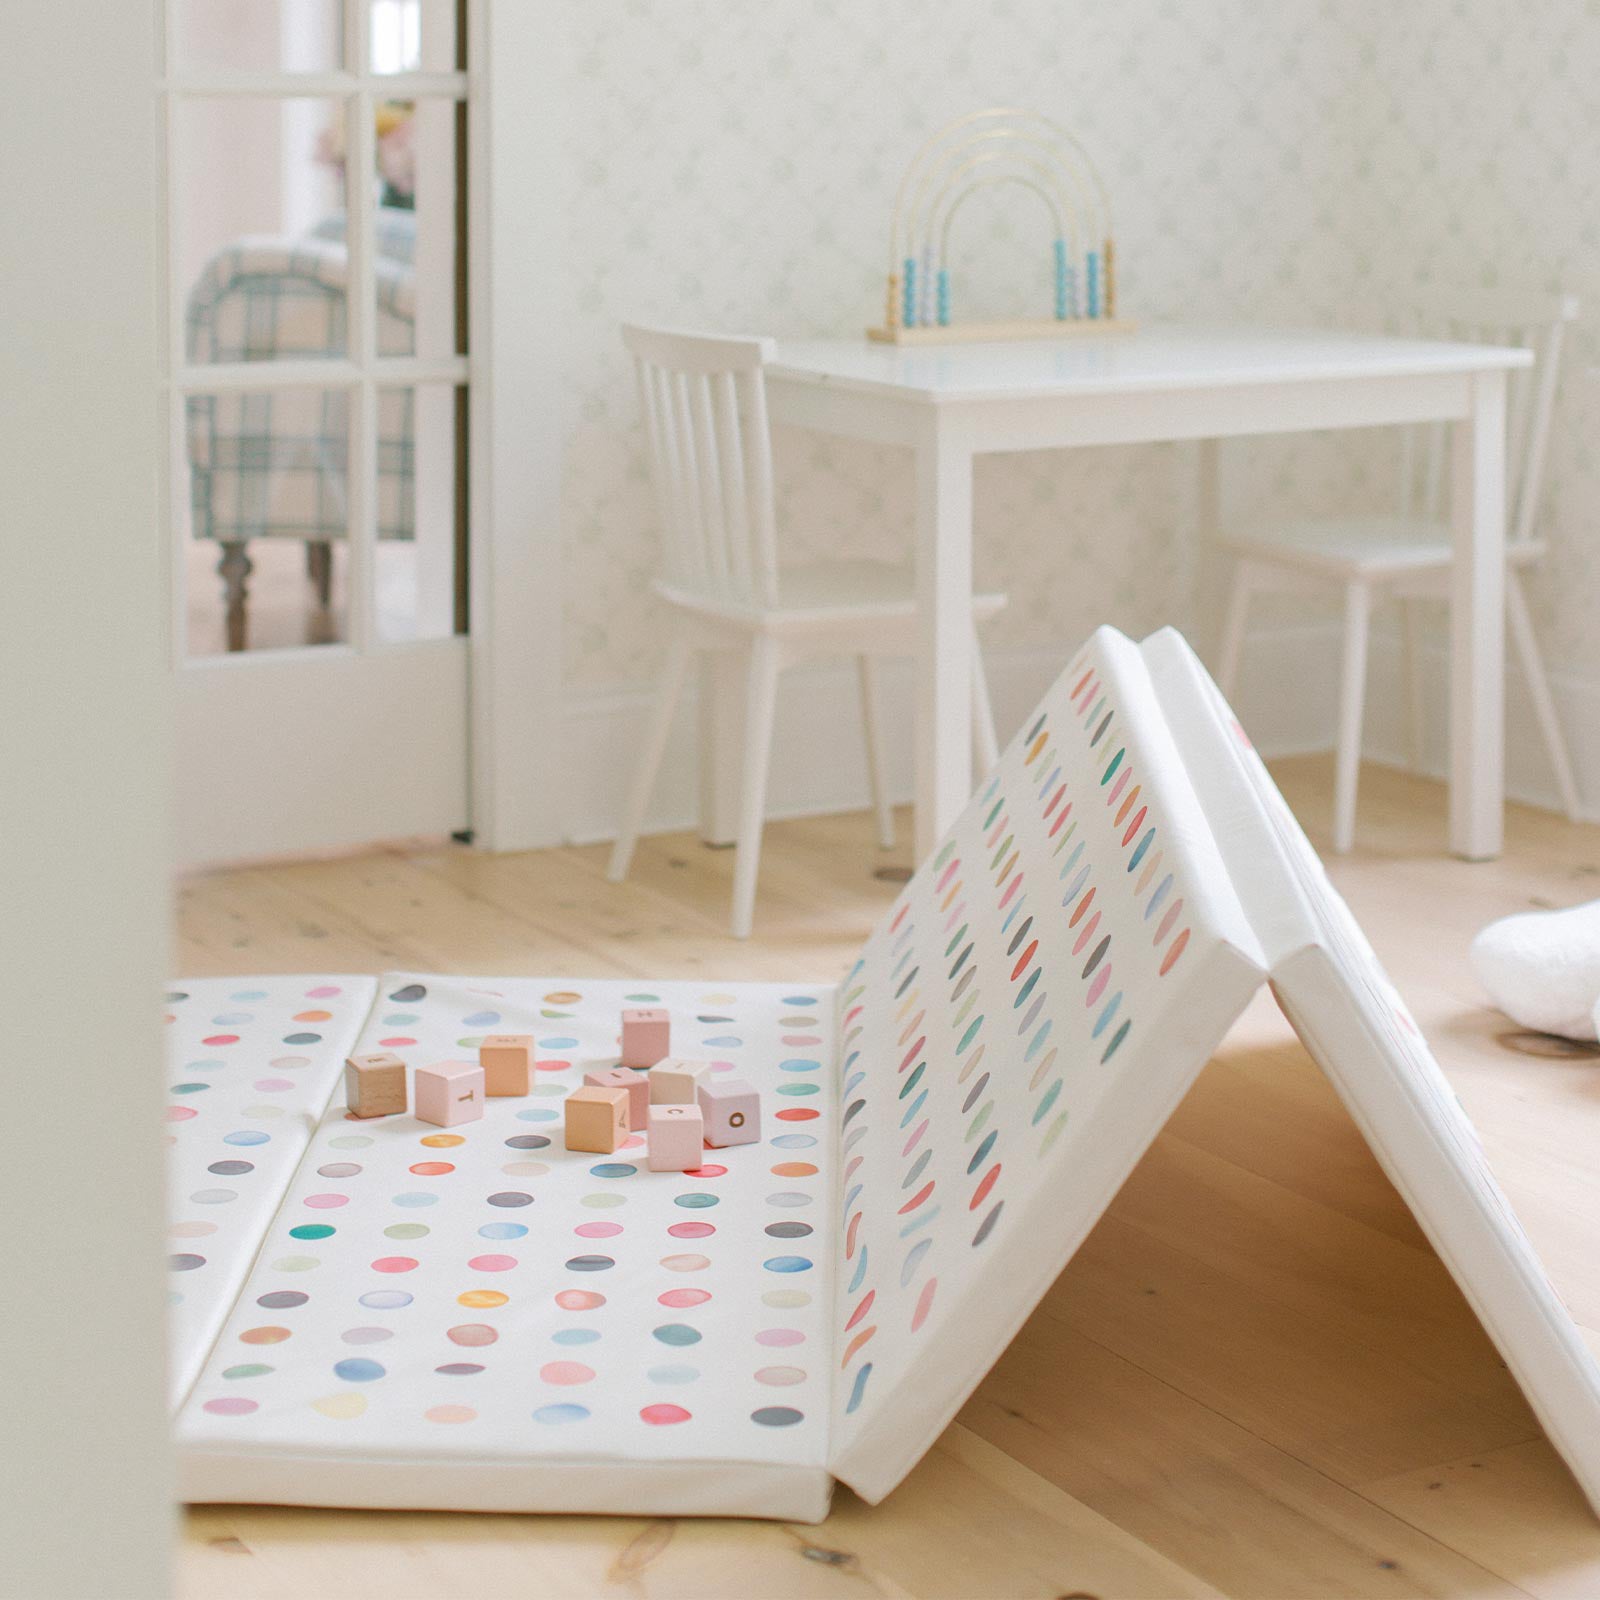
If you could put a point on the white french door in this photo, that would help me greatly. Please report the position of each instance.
(317, 411)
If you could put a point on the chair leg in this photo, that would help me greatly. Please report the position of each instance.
(655, 744)
(761, 705)
(1526, 644)
(1352, 691)
(234, 567)
(985, 745)
(1411, 671)
(1232, 647)
(319, 569)
(877, 769)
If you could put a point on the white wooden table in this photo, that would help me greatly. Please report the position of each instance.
(951, 403)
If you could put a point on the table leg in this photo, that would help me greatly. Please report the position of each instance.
(722, 693)
(945, 639)
(1477, 623)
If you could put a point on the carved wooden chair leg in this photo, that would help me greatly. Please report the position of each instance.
(319, 568)
(234, 568)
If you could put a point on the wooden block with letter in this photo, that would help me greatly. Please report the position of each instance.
(674, 1082)
(450, 1092)
(732, 1111)
(677, 1138)
(646, 1035)
(596, 1119)
(507, 1062)
(375, 1085)
(636, 1085)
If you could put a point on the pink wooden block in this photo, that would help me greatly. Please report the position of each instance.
(646, 1036)
(449, 1092)
(636, 1085)
(673, 1082)
(677, 1142)
(732, 1111)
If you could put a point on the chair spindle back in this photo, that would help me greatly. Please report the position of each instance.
(705, 414)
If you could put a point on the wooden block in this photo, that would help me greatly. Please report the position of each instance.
(507, 1062)
(375, 1085)
(731, 1109)
(646, 1036)
(677, 1138)
(636, 1085)
(596, 1119)
(673, 1082)
(449, 1092)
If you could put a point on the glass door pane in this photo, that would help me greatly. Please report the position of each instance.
(415, 36)
(259, 35)
(420, 566)
(259, 198)
(420, 282)
(263, 541)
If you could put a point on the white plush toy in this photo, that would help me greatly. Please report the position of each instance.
(1542, 968)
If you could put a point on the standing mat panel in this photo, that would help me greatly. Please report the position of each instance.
(1359, 1030)
(1015, 1034)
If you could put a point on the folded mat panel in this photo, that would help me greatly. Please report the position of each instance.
(252, 1062)
(477, 1318)
(1015, 1033)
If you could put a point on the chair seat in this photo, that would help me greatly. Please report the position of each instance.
(1365, 547)
(824, 592)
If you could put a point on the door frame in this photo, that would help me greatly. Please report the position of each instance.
(516, 234)
(86, 1489)
(511, 659)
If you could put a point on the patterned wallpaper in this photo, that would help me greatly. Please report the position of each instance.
(733, 165)
(1480, 151)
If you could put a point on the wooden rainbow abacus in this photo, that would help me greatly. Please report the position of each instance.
(984, 150)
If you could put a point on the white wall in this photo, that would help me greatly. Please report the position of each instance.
(733, 167)
(85, 1506)
(1481, 145)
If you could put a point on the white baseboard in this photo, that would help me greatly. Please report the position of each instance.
(818, 761)
(1286, 701)
(1289, 684)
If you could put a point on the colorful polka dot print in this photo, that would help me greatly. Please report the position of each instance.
(483, 1293)
(381, 1310)
(252, 1062)
(988, 1022)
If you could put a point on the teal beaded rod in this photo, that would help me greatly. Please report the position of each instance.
(982, 151)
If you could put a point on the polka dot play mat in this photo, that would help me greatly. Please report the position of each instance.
(480, 1294)
(386, 1313)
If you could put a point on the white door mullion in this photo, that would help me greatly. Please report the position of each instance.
(318, 373)
(174, 479)
(316, 85)
(361, 578)
(174, 495)
(361, 240)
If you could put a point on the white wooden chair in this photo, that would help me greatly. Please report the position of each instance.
(1408, 555)
(705, 414)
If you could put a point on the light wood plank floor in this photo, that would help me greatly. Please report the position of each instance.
(1255, 1379)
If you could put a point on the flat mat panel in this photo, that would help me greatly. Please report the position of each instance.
(251, 1064)
(438, 1298)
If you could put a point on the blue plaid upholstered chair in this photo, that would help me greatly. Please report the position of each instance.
(274, 464)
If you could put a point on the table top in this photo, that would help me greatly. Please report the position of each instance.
(1158, 356)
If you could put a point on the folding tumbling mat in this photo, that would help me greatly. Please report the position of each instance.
(383, 1313)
